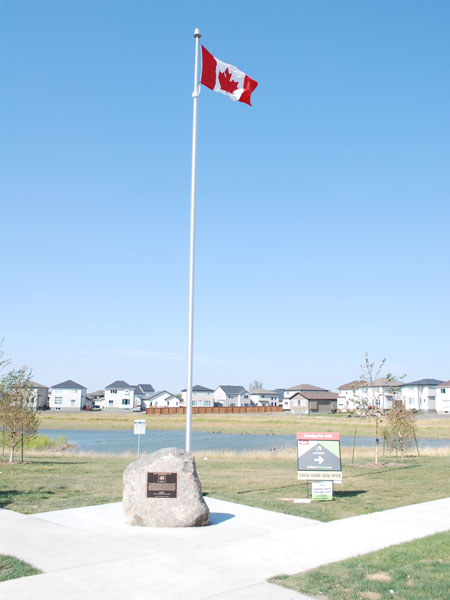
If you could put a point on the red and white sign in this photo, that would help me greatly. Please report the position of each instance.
(318, 435)
(226, 79)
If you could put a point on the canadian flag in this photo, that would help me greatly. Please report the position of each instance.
(226, 79)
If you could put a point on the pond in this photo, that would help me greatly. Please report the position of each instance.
(116, 442)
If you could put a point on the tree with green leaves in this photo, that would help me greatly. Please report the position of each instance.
(17, 415)
(370, 391)
(256, 385)
(399, 431)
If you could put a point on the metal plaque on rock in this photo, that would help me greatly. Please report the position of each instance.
(161, 485)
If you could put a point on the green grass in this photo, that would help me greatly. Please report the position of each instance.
(257, 479)
(12, 568)
(416, 570)
(265, 423)
(45, 442)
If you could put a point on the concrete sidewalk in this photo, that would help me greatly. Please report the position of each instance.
(90, 553)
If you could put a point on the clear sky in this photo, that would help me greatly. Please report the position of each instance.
(322, 211)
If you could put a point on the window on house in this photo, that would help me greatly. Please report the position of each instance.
(194, 402)
(111, 402)
(207, 403)
(125, 401)
(442, 390)
(72, 401)
(58, 399)
(113, 391)
(411, 400)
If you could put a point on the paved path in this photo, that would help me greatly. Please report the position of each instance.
(90, 553)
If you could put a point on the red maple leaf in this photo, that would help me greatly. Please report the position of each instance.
(226, 83)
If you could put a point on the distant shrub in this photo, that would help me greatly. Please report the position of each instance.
(45, 442)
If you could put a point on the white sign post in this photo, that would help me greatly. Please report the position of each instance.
(139, 429)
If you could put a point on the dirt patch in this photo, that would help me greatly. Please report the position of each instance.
(379, 576)
(370, 595)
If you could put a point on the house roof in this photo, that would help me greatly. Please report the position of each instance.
(233, 389)
(37, 385)
(306, 387)
(425, 382)
(384, 382)
(272, 392)
(146, 387)
(69, 385)
(119, 385)
(199, 388)
(349, 386)
(318, 395)
(156, 394)
(445, 383)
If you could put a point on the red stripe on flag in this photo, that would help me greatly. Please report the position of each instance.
(249, 86)
(209, 66)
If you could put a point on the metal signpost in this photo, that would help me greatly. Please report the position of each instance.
(139, 429)
(319, 459)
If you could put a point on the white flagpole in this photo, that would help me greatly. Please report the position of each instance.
(195, 93)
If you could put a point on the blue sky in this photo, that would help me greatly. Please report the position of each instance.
(322, 211)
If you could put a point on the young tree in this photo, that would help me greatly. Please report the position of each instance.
(17, 415)
(400, 429)
(367, 397)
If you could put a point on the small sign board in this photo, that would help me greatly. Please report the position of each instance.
(322, 490)
(161, 485)
(319, 456)
(139, 427)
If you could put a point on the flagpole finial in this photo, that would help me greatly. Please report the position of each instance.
(197, 33)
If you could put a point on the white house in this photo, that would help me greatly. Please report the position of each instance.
(381, 393)
(39, 396)
(303, 387)
(120, 395)
(231, 395)
(420, 395)
(162, 399)
(264, 398)
(68, 396)
(201, 396)
(443, 398)
(345, 401)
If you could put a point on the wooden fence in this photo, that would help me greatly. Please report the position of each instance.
(202, 410)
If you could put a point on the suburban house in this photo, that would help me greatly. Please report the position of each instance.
(264, 398)
(310, 399)
(289, 393)
(96, 397)
(39, 396)
(120, 395)
(443, 398)
(201, 396)
(346, 396)
(162, 399)
(231, 395)
(420, 395)
(68, 396)
(381, 393)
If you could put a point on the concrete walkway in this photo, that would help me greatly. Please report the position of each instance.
(90, 553)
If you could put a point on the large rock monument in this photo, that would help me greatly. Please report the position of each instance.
(163, 490)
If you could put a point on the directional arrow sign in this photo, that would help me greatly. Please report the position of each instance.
(319, 456)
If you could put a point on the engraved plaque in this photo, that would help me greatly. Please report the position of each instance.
(161, 485)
